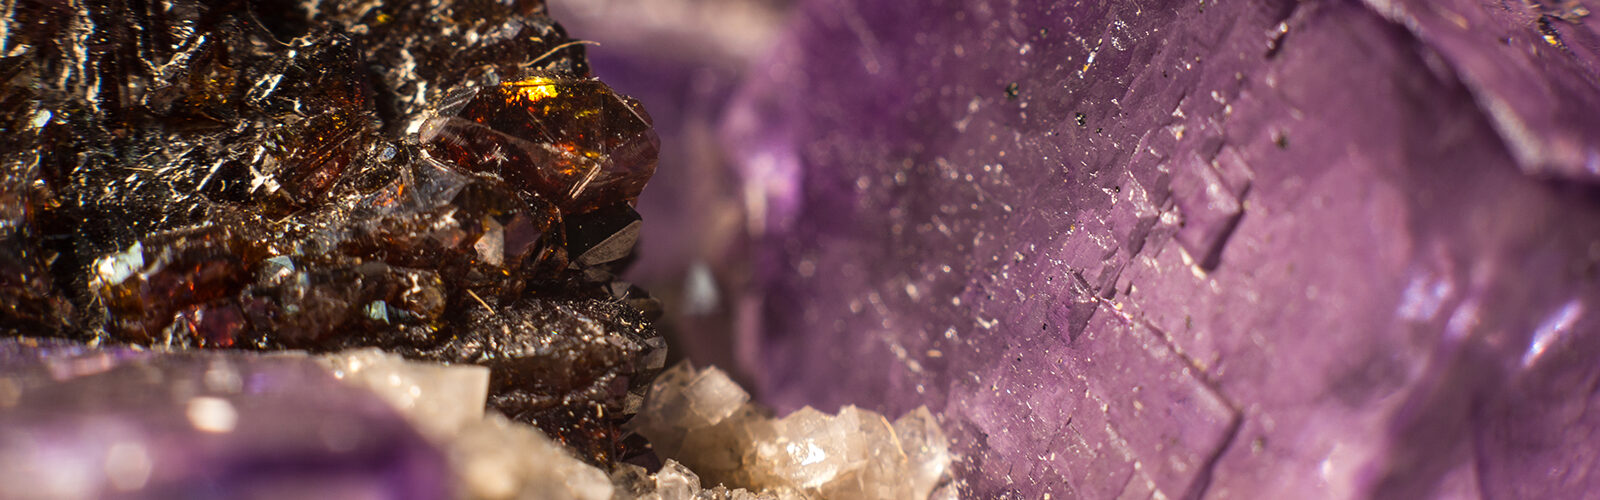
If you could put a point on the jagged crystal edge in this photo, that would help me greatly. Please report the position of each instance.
(696, 417)
(704, 420)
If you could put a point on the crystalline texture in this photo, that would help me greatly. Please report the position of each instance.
(330, 174)
(439, 399)
(705, 421)
(676, 482)
(81, 423)
(567, 366)
(144, 424)
(87, 423)
(492, 457)
(1267, 249)
(570, 140)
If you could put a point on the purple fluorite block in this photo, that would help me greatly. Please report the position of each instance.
(1265, 249)
(84, 423)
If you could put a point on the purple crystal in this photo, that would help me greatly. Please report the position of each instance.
(84, 423)
(1532, 66)
(1240, 249)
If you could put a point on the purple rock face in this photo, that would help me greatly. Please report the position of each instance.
(81, 423)
(1263, 249)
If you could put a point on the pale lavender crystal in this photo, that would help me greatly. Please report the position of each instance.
(85, 423)
(1267, 249)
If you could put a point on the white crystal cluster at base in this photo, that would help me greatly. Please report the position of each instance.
(717, 444)
(704, 420)
(493, 457)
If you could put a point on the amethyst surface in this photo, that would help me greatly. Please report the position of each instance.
(1263, 249)
(117, 423)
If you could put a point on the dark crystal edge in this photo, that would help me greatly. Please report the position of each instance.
(444, 180)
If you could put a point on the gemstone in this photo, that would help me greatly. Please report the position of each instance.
(605, 235)
(573, 141)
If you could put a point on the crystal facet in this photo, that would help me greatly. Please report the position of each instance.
(84, 423)
(1269, 249)
(706, 421)
(330, 174)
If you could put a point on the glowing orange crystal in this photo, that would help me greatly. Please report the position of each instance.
(572, 141)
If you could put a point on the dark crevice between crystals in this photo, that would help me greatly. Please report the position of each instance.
(443, 180)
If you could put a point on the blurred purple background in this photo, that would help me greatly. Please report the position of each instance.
(685, 59)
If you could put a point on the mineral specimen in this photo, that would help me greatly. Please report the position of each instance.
(442, 179)
(123, 423)
(706, 421)
(492, 457)
(569, 140)
(684, 60)
(676, 482)
(698, 416)
(1266, 249)
(86, 423)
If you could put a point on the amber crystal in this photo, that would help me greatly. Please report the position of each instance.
(570, 140)
(330, 174)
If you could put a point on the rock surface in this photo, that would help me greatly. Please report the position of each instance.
(1264, 249)
(440, 179)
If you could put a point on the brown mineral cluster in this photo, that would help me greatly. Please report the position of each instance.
(441, 179)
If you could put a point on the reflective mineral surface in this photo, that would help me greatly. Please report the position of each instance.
(128, 423)
(967, 249)
(443, 180)
(342, 249)
(1163, 248)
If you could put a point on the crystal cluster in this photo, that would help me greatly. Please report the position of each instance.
(440, 179)
(706, 421)
(123, 423)
(389, 182)
(676, 482)
(702, 418)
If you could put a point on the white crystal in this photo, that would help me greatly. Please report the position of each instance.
(677, 482)
(493, 458)
(714, 396)
(491, 246)
(704, 420)
(719, 445)
(438, 399)
(116, 268)
(501, 459)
